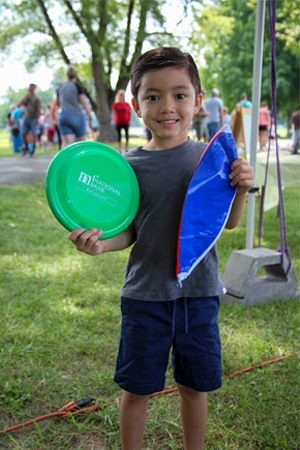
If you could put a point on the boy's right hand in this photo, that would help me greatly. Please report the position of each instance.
(88, 241)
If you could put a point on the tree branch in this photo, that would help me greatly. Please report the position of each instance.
(53, 33)
(77, 20)
(127, 38)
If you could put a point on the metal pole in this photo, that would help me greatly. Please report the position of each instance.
(256, 95)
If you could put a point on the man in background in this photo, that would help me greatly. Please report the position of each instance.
(214, 107)
(30, 128)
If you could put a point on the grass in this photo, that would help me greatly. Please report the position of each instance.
(6, 149)
(59, 319)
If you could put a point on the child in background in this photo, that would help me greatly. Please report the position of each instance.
(159, 316)
(226, 117)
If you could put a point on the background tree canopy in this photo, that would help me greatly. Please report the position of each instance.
(103, 38)
(225, 31)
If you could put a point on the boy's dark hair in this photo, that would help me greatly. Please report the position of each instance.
(162, 57)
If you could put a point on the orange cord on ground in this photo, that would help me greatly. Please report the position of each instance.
(81, 406)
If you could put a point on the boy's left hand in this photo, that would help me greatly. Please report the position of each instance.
(241, 176)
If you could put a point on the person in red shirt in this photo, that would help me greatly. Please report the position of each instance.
(121, 115)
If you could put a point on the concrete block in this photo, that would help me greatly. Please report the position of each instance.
(248, 287)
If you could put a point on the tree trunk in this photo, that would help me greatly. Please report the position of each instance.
(107, 131)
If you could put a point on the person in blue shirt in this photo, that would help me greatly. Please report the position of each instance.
(17, 115)
(244, 102)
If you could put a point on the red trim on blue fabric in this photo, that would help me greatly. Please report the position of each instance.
(181, 217)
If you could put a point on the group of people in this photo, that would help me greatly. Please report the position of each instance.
(31, 125)
(68, 119)
(213, 114)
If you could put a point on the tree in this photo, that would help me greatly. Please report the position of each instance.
(112, 32)
(226, 29)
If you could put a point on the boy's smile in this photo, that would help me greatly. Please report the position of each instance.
(167, 103)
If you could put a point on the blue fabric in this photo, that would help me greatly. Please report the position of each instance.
(207, 203)
(188, 326)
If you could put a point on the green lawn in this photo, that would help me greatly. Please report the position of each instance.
(59, 319)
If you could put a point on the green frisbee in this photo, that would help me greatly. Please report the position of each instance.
(90, 185)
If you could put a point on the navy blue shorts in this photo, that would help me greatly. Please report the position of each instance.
(187, 326)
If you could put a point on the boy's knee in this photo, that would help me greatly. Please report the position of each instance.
(190, 393)
(129, 397)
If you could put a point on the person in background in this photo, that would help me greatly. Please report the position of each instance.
(72, 101)
(30, 127)
(264, 122)
(296, 131)
(17, 115)
(121, 116)
(54, 109)
(199, 124)
(9, 123)
(158, 315)
(49, 127)
(214, 107)
(226, 116)
(244, 102)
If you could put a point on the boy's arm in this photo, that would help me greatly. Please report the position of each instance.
(88, 241)
(241, 176)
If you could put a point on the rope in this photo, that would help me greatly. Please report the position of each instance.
(87, 404)
(285, 257)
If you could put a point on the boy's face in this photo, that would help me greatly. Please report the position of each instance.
(167, 102)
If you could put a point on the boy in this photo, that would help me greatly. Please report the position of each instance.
(157, 314)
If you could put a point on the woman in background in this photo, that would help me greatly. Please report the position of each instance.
(121, 115)
(73, 102)
(264, 121)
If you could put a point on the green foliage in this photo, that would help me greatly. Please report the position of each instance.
(227, 30)
(288, 26)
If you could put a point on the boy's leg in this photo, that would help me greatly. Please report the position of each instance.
(133, 412)
(193, 417)
(145, 342)
(197, 363)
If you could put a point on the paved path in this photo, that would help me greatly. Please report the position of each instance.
(23, 169)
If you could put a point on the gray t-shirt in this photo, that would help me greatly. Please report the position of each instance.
(163, 178)
(213, 106)
(68, 96)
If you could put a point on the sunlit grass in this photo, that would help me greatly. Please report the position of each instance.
(60, 321)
